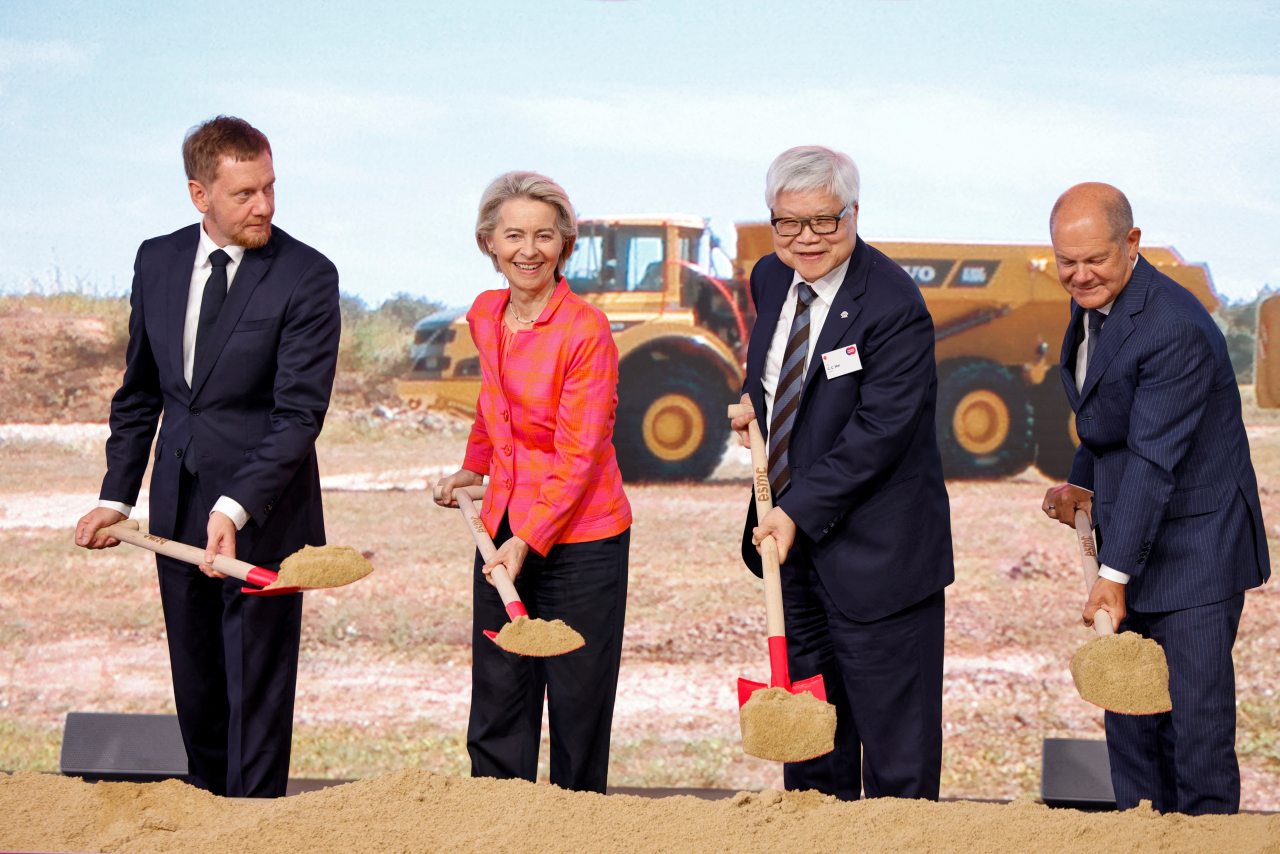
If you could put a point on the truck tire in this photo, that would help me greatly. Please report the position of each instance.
(984, 422)
(671, 423)
(1055, 428)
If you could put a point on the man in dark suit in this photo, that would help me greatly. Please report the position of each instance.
(1164, 466)
(841, 374)
(233, 337)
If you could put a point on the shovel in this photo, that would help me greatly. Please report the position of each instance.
(127, 532)
(564, 639)
(779, 676)
(1124, 673)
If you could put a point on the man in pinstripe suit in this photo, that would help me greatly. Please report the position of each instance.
(1164, 467)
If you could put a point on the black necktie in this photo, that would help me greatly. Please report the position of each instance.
(1095, 332)
(215, 294)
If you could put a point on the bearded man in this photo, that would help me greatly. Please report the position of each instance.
(233, 338)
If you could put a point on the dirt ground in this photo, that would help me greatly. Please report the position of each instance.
(384, 681)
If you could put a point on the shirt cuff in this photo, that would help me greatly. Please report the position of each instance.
(118, 506)
(231, 508)
(1077, 486)
(1113, 575)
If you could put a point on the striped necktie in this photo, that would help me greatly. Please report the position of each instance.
(786, 400)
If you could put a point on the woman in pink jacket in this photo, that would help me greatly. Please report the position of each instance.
(554, 505)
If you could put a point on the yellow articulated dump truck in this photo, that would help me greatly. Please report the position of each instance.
(998, 310)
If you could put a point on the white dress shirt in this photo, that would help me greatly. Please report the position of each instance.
(1082, 365)
(824, 292)
(199, 276)
(200, 273)
(1082, 357)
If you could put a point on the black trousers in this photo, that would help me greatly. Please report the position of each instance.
(584, 584)
(1184, 760)
(234, 660)
(885, 679)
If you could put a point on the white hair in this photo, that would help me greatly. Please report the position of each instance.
(812, 167)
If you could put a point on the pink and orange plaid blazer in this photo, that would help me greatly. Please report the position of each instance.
(544, 423)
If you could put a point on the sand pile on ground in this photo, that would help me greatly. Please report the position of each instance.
(784, 727)
(1125, 673)
(528, 636)
(415, 811)
(322, 566)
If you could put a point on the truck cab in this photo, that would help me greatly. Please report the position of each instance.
(681, 336)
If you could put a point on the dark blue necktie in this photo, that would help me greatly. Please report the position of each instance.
(1095, 332)
(215, 294)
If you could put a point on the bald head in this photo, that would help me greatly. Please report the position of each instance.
(1095, 200)
(1094, 243)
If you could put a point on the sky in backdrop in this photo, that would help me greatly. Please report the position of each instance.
(967, 119)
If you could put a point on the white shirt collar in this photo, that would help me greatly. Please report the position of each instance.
(825, 288)
(207, 247)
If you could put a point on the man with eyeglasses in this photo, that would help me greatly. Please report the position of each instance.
(841, 379)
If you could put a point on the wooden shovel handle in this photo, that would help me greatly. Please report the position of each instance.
(126, 533)
(484, 542)
(768, 547)
(476, 491)
(1089, 560)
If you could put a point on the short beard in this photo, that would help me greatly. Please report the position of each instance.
(256, 242)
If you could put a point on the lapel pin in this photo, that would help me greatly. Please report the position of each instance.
(844, 314)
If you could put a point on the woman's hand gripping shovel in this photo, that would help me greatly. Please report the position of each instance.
(523, 635)
(782, 721)
(300, 568)
(1123, 673)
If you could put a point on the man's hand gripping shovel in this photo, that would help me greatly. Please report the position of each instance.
(779, 675)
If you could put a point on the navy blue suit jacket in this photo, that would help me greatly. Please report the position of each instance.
(1163, 447)
(867, 492)
(252, 418)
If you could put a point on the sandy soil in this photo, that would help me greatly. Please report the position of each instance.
(384, 679)
(416, 810)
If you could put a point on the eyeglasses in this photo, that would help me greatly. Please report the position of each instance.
(817, 224)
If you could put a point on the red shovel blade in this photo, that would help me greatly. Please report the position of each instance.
(265, 578)
(514, 609)
(746, 688)
(275, 591)
(780, 676)
(813, 685)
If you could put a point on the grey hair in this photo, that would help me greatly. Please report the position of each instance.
(525, 185)
(812, 167)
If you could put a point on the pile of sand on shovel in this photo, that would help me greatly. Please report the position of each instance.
(1123, 673)
(322, 566)
(539, 638)
(784, 727)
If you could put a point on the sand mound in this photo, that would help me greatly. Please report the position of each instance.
(527, 636)
(415, 810)
(1125, 673)
(322, 566)
(784, 727)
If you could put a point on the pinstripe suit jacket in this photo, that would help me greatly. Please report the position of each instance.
(1163, 447)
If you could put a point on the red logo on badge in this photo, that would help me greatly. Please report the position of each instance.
(851, 351)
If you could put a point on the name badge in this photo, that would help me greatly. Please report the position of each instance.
(844, 360)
